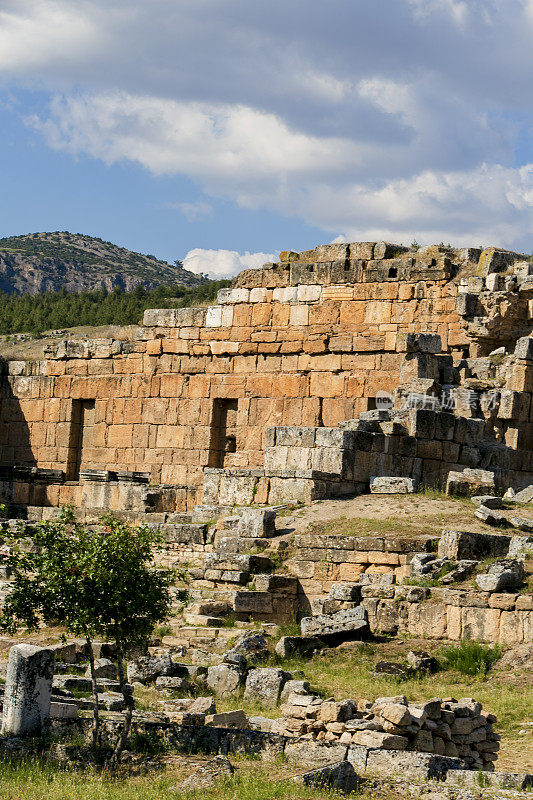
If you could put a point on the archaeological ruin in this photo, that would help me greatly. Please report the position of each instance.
(350, 369)
(336, 370)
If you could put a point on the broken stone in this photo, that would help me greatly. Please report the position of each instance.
(387, 485)
(421, 661)
(385, 741)
(146, 669)
(491, 517)
(251, 644)
(524, 495)
(339, 777)
(103, 668)
(170, 683)
(522, 523)
(28, 689)
(335, 628)
(505, 575)
(470, 482)
(223, 680)
(265, 685)
(396, 713)
(393, 669)
(228, 719)
(305, 646)
(203, 705)
(489, 501)
(463, 571)
(215, 770)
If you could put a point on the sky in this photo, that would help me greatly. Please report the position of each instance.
(220, 132)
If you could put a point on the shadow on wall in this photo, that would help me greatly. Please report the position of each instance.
(15, 439)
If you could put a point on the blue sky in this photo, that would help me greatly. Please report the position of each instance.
(222, 131)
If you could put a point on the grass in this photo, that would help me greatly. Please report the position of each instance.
(470, 657)
(252, 781)
(164, 630)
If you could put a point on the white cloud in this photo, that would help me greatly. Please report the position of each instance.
(194, 211)
(224, 263)
(35, 32)
(399, 118)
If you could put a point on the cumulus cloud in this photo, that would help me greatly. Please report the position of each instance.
(398, 118)
(34, 33)
(224, 263)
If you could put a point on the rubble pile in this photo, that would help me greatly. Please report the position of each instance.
(443, 727)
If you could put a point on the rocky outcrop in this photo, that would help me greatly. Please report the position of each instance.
(49, 262)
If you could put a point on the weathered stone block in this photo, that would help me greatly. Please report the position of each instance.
(28, 690)
(470, 482)
(265, 685)
(344, 625)
(459, 545)
(387, 485)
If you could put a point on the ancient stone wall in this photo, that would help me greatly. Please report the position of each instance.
(310, 341)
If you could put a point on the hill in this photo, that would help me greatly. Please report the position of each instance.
(44, 262)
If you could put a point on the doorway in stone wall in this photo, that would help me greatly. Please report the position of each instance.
(81, 436)
(223, 432)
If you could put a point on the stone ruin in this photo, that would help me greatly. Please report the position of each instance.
(343, 369)
(281, 390)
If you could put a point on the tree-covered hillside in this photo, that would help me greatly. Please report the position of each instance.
(51, 310)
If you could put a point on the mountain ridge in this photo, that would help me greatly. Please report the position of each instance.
(50, 261)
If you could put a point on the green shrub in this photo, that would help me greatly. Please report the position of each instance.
(470, 657)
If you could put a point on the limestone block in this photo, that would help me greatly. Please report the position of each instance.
(223, 296)
(495, 282)
(418, 342)
(340, 778)
(470, 482)
(509, 404)
(421, 766)
(460, 545)
(299, 315)
(524, 348)
(313, 754)
(213, 317)
(223, 680)
(506, 575)
(255, 523)
(103, 668)
(287, 294)
(28, 690)
(388, 485)
(344, 625)
(60, 710)
(228, 719)
(227, 317)
(524, 495)
(293, 436)
(238, 296)
(258, 295)
(376, 739)
(252, 602)
(308, 293)
(327, 459)
(480, 624)
(289, 646)
(265, 685)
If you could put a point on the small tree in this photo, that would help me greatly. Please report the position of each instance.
(96, 582)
